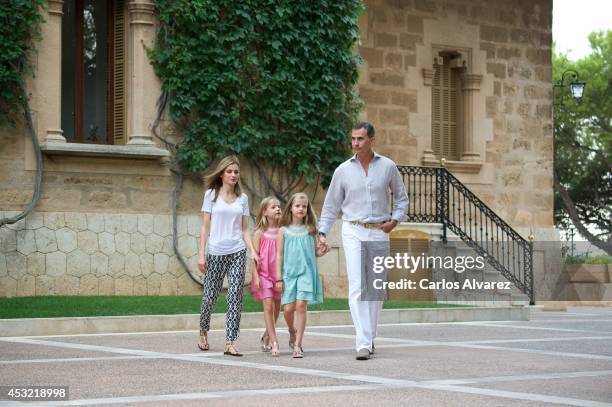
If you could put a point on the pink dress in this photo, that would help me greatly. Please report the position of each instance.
(267, 266)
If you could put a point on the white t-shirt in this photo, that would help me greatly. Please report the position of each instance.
(225, 223)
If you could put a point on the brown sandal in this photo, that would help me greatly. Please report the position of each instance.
(230, 350)
(205, 347)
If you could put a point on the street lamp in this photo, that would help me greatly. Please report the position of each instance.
(576, 86)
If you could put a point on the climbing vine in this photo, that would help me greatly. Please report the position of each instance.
(272, 81)
(19, 27)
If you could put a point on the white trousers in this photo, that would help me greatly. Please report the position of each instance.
(364, 313)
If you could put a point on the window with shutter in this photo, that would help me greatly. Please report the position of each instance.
(444, 111)
(93, 60)
(118, 89)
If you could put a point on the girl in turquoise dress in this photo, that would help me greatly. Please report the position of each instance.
(296, 265)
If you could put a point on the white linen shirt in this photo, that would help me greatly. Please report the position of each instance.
(364, 198)
(225, 223)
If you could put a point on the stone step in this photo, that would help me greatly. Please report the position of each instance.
(187, 322)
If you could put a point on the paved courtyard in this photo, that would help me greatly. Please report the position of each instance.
(557, 358)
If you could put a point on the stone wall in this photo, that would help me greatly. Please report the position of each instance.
(57, 253)
(73, 253)
(90, 184)
(509, 44)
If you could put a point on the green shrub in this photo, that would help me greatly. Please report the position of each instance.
(273, 81)
(588, 260)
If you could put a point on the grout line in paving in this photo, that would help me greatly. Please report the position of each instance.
(557, 339)
(328, 389)
(568, 320)
(469, 344)
(562, 314)
(540, 328)
(329, 374)
(314, 350)
(538, 351)
(529, 376)
(476, 345)
(209, 395)
(197, 354)
(521, 396)
(311, 328)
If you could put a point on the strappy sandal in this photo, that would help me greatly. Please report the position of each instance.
(292, 338)
(230, 350)
(205, 347)
(264, 347)
(274, 350)
(298, 352)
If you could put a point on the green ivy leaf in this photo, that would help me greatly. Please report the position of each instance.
(272, 81)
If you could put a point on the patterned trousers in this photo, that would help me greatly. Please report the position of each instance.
(234, 266)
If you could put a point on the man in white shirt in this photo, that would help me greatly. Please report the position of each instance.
(360, 187)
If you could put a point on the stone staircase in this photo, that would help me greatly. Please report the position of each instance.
(417, 234)
(502, 295)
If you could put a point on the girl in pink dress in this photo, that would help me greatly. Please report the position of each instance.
(263, 281)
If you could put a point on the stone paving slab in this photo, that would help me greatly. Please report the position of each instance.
(386, 397)
(584, 346)
(118, 378)
(185, 342)
(435, 362)
(458, 332)
(591, 325)
(486, 363)
(14, 351)
(592, 388)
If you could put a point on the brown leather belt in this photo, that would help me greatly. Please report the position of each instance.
(367, 225)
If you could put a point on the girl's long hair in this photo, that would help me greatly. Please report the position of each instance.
(310, 220)
(213, 180)
(261, 222)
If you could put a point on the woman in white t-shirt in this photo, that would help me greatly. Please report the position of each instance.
(225, 213)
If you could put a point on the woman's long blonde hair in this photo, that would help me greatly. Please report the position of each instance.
(310, 220)
(213, 180)
(261, 222)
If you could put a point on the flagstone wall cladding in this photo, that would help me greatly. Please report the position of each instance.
(57, 253)
(68, 253)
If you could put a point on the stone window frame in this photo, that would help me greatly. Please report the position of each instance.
(140, 82)
(445, 107)
(73, 75)
(470, 160)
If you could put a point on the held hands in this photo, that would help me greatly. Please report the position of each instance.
(322, 247)
(388, 226)
(279, 286)
(255, 258)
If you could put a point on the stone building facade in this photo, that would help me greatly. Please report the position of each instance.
(103, 224)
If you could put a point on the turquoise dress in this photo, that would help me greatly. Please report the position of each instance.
(300, 274)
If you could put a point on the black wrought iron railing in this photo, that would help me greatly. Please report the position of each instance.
(437, 196)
